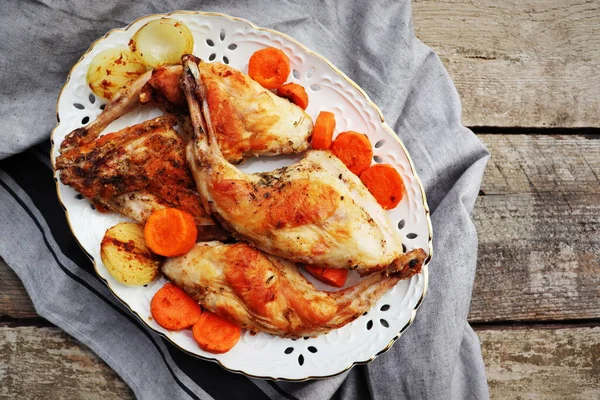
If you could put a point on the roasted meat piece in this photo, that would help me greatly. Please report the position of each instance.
(136, 171)
(125, 101)
(249, 120)
(266, 293)
(162, 90)
(315, 211)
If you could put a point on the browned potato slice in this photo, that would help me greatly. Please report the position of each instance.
(124, 253)
(112, 69)
(162, 42)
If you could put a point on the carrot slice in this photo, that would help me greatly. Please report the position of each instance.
(215, 334)
(332, 276)
(294, 93)
(270, 67)
(385, 184)
(170, 232)
(354, 149)
(323, 130)
(173, 309)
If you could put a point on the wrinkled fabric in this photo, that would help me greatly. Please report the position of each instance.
(373, 42)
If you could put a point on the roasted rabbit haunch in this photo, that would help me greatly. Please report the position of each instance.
(315, 211)
(264, 293)
(136, 171)
(159, 87)
(249, 120)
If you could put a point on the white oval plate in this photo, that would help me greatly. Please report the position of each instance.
(231, 40)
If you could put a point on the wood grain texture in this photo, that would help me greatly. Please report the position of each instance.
(45, 363)
(542, 363)
(532, 63)
(520, 363)
(14, 301)
(539, 229)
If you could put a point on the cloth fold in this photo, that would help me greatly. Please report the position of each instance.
(374, 44)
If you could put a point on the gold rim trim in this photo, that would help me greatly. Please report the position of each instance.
(425, 268)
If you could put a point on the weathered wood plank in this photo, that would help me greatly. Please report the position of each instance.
(538, 225)
(542, 363)
(518, 63)
(538, 259)
(45, 363)
(542, 164)
(530, 363)
(14, 301)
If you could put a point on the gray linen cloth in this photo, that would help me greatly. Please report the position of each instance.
(373, 42)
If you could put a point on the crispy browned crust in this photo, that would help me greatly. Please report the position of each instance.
(163, 90)
(407, 265)
(264, 293)
(147, 157)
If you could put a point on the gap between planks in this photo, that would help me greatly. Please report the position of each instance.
(516, 325)
(561, 363)
(593, 133)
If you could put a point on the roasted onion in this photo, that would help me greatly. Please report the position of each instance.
(162, 42)
(112, 69)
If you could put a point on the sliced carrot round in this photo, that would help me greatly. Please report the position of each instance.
(170, 232)
(294, 93)
(385, 184)
(354, 150)
(173, 309)
(215, 334)
(270, 67)
(323, 131)
(331, 276)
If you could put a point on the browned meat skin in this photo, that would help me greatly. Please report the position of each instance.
(125, 101)
(249, 120)
(315, 211)
(136, 171)
(266, 293)
(162, 90)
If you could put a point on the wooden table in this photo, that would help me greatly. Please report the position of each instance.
(528, 73)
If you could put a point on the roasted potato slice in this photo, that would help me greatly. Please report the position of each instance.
(112, 69)
(124, 253)
(162, 42)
